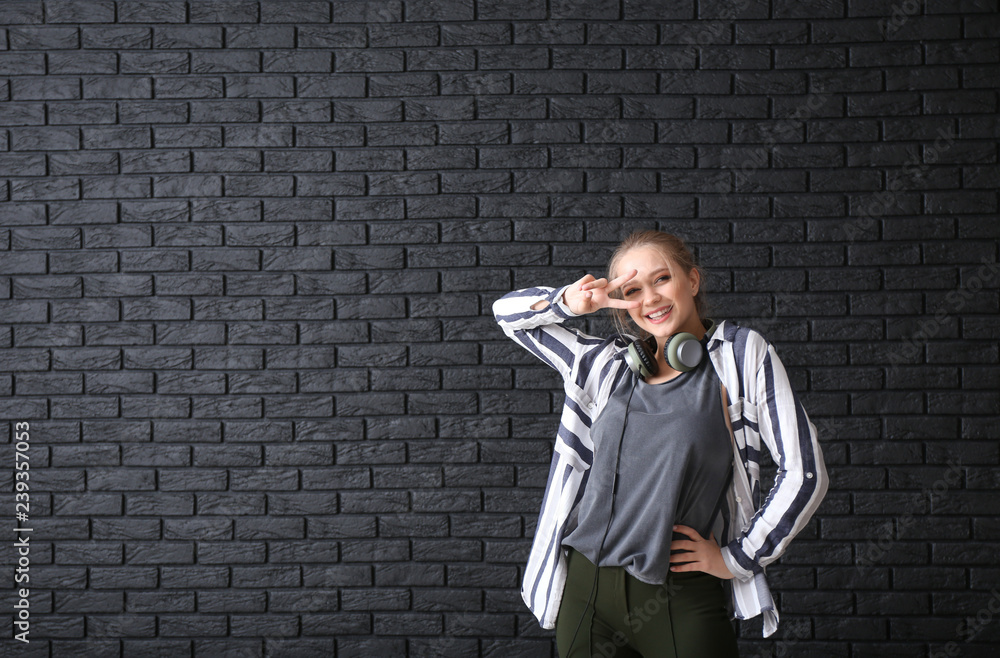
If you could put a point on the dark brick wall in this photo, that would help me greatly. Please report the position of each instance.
(249, 251)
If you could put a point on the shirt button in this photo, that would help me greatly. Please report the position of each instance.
(739, 500)
(592, 405)
(809, 475)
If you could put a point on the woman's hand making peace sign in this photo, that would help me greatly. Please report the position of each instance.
(588, 294)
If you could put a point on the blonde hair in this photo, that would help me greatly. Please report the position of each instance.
(678, 255)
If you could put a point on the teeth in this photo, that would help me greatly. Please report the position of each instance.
(660, 314)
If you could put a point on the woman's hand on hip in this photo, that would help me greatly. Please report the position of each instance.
(588, 294)
(704, 554)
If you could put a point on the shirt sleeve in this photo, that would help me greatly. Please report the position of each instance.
(801, 480)
(540, 331)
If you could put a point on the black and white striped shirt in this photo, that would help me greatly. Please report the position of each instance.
(763, 408)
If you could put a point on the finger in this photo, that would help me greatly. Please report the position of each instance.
(687, 530)
(596, 283)
(617, 281)
(621, 303)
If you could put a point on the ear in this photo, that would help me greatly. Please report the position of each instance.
(695, 280)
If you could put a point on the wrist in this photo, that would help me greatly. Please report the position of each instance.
(738, 572)
(559, 299)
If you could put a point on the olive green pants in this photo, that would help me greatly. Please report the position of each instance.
(683, 618)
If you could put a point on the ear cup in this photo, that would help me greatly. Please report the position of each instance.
(683, 351)
(641, 357)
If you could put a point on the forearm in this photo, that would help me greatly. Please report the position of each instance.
(528, 317)
(788, 510)
(800, 483)
(531, 307)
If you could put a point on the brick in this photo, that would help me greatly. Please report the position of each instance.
(151, 11)
(309, 11)
(267, 36)
(43, 38)
(15, 64)
(88, 11)
(226, 11)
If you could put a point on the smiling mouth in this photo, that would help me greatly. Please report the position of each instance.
(660, 314)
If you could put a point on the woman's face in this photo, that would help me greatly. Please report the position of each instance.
(665, 293)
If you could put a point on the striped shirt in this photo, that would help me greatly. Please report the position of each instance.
(762, 407)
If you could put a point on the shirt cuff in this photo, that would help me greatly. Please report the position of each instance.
(739, 572)
(556, 302)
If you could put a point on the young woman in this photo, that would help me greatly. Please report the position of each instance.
(652, 535)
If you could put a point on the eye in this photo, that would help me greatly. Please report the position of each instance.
(629, 291)
(665, 276)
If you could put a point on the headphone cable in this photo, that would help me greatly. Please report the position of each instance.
(614, 490)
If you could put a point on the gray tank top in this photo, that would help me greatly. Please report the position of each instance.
(676, 463)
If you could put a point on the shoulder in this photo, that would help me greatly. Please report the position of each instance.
(733, 332)
(613, 347)
(622, 340)
(609, 350)
(747, 345)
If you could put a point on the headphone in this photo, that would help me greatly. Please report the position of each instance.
(683, 351)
